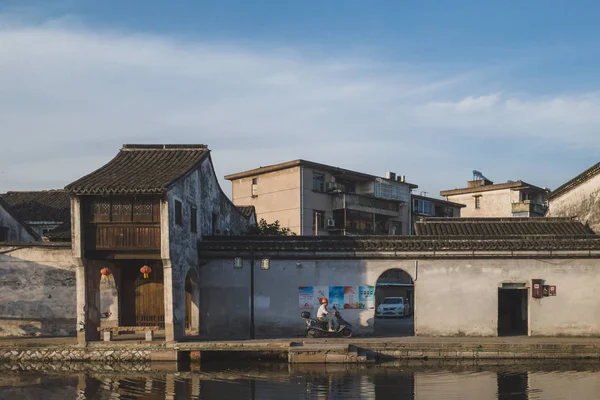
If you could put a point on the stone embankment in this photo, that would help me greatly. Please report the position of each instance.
(306, 351)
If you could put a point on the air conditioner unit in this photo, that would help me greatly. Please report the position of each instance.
(330, 222)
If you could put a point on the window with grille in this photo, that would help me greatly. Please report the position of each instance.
(254, 187)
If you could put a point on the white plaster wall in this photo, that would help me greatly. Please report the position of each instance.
(460, 297)
(16, 232)
(277, 311)
(494, 203)
(37, 291)
(452, 297)
(582, 202)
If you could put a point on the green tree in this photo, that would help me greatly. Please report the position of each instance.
(265, 229)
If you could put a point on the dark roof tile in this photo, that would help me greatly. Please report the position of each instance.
(43, 205)
(141, 169)
(488, 227)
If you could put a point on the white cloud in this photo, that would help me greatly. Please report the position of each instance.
(69, 97)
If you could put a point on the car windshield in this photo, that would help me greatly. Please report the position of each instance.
(392, 301)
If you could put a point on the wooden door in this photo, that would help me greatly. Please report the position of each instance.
(150, 305)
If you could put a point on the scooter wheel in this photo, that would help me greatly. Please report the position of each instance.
(312, 333)
(347, 333)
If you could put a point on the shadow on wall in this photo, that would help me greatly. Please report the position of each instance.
(36, 299)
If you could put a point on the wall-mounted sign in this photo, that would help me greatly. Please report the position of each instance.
(536, 288)
(552, 290)
(238, 262)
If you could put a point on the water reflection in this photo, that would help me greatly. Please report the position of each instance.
(410, 380)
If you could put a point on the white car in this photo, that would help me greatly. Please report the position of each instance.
(392, 307)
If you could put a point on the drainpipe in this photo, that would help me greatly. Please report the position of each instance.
(301, 200)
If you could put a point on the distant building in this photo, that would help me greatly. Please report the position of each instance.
(311, 198)
(579, 198)
(424, 207)
(12, 229)
(44, 211)
(483, 198)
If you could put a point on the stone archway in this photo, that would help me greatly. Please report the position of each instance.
(192, 303)
(394, 304)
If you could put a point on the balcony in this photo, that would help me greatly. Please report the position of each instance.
(125, 237)
(365, 203)
(531, 209)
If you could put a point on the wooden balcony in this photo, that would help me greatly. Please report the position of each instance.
(125, 237)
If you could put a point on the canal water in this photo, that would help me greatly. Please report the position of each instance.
(409, 380)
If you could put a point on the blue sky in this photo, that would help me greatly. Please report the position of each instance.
(430, 90)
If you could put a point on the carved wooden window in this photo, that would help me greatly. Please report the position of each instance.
(142, 210)
(178, 213)
(121, 209)
(100, 210)
(193, 219)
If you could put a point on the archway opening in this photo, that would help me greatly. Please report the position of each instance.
(394, 304)
(192, 304)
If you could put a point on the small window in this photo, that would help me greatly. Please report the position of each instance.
(193, 219)
(254, 187)
(318, 182)
(178, 213)
(478, 202)
(3, 234)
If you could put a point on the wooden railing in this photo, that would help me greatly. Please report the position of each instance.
(122, 237)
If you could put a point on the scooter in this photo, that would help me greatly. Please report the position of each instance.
(315, 329)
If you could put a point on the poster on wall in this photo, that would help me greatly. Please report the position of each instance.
(366, 297)
(320, 292)
(351, 297)
(306, 297)
(336, 296)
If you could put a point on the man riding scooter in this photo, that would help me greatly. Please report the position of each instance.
(322, 314)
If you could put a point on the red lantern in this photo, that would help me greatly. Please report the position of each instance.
(146, 271)
(105, 272)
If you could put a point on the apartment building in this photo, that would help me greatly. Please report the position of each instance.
(484, 198)
(317, 199)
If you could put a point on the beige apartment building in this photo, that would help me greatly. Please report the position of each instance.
(316, 199)
(484, 198)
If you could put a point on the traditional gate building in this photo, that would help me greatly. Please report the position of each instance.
(148, 207)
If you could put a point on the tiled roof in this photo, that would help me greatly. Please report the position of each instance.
(579, 179)
(10, 211)
(487, 227)
(141, 169)
(43, 205)
(357, 246)
(246, 211)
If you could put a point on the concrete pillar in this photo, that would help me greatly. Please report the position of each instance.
(174, 295)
